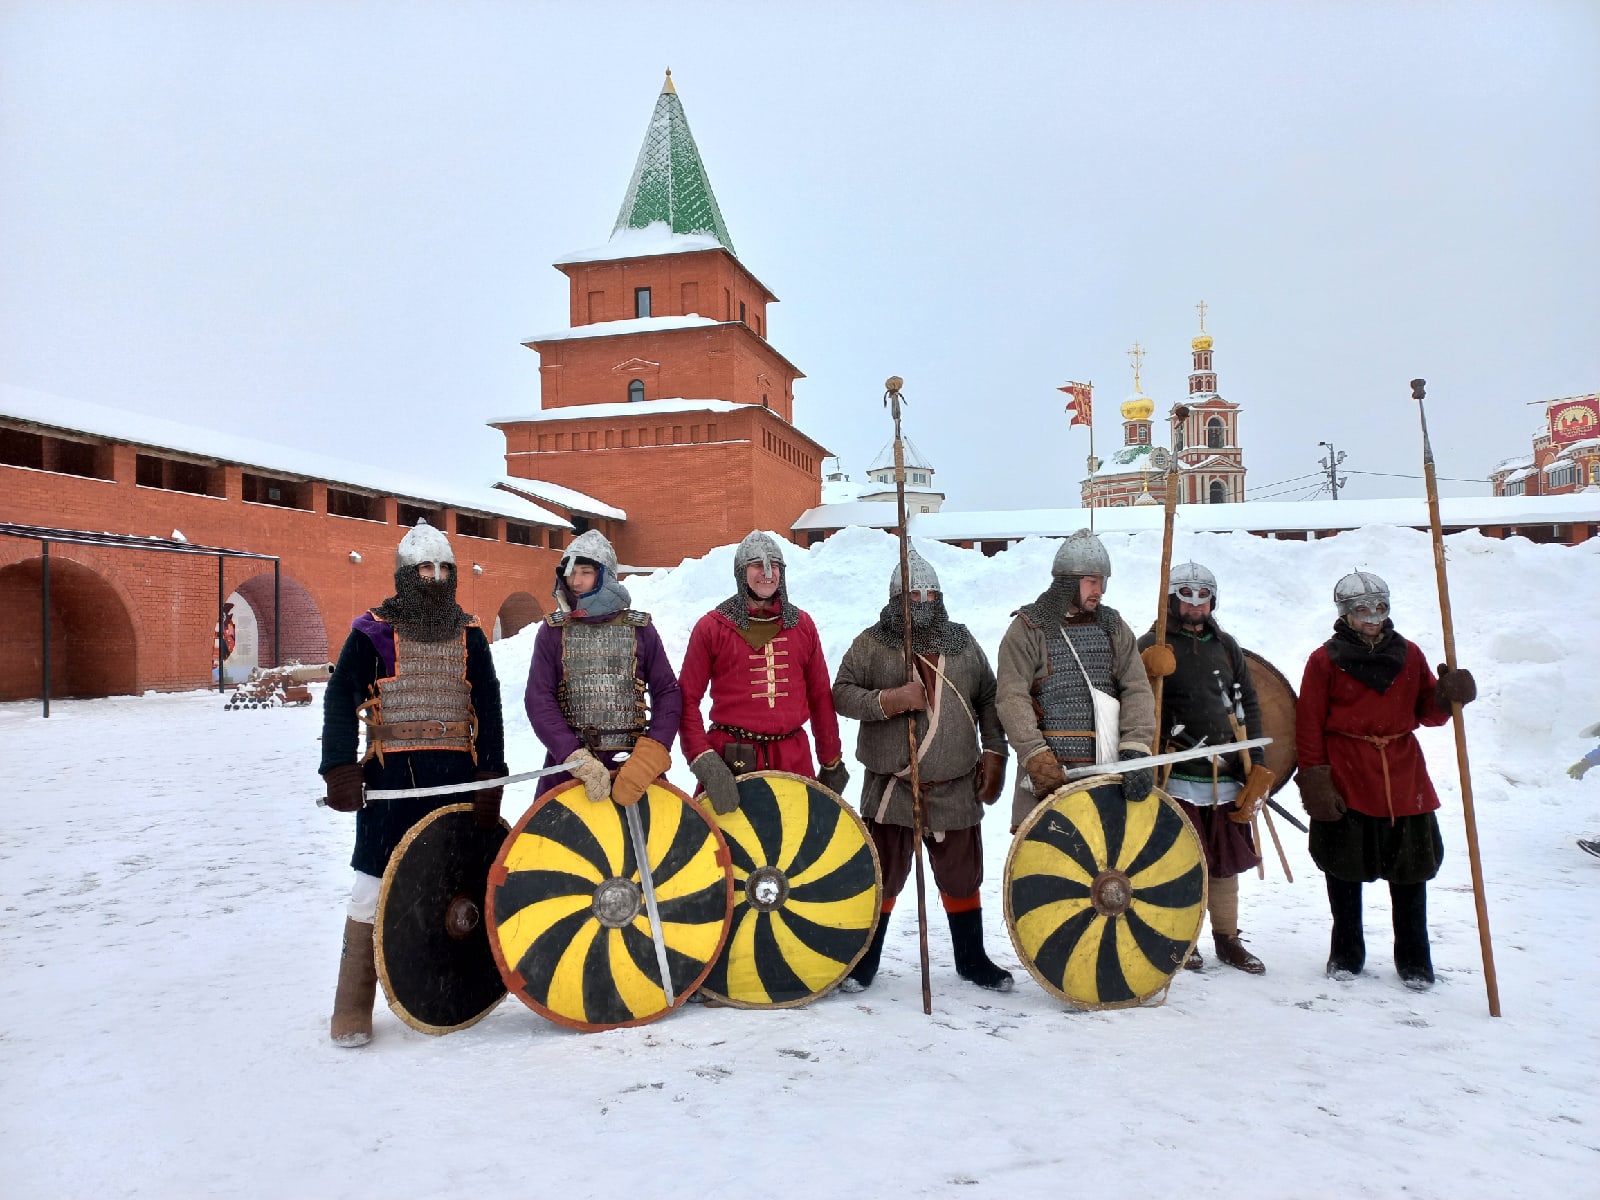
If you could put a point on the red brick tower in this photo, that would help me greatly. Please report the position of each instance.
(1208, 442)
(664, 397)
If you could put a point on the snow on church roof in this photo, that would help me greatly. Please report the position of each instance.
(158, 433)
(914, 457)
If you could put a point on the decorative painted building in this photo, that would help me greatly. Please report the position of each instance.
(664, 397)
(1207, 443)
(1566, 453)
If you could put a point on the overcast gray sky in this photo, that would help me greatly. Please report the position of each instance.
(330, 224)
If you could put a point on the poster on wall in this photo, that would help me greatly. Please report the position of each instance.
(1574, 419)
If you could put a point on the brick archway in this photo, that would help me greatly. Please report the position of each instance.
(305, 636)
(93, 650)
(518, 612)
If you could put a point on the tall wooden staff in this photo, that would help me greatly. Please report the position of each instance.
(891, 397)
(1179, 415)
(1489, 979)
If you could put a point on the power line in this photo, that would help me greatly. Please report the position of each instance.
(1392, 475)
(1291, 479)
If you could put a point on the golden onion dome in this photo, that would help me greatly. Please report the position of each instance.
(1138, 407)
(1203, 342)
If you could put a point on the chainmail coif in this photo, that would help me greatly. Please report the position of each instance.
(932, 630)
(424, 610)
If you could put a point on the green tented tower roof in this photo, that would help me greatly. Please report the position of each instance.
(669, 181)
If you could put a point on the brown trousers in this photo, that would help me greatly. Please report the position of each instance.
(956, 858)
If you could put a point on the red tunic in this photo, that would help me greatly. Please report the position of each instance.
(1335, 715)
(776, 689)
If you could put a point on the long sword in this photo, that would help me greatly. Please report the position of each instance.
(448, 789)
(1161, 760)
(647, 884)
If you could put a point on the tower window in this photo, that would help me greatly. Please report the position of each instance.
(641, 302)
(635, 391)
(741, 312)
(1216, 434)
(1219, 492)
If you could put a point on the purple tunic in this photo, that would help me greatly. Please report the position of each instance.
(381, 635)
(544, 712)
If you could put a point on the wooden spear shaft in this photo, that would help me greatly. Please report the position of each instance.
(918, 819)
(1469, 814)
(1181, 413)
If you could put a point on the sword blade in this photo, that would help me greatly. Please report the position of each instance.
(448, 789)
(1286, 815)
(1160, 760)
(648, 886)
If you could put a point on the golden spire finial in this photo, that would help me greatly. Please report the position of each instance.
(1136, 357)
(667, 86)
(1201, 306)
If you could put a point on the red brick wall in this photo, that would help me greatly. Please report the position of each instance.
(711, 283)
(171, 600)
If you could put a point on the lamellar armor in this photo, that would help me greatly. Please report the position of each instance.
(426, 704)
(601, 694)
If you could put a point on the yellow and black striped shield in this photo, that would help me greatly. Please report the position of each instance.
(567, 914)
(807, 892)
(1104, 898)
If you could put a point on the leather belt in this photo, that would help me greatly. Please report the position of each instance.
(419, 731)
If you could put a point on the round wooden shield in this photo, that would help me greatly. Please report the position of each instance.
(1276, 696)
(1104, 898)
(807, 890)
(568, 922)
(429, 939)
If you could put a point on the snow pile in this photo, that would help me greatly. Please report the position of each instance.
(173, 902)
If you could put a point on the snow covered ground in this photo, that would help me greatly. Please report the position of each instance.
(173, 899)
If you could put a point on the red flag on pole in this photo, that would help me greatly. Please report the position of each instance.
(1081, 406)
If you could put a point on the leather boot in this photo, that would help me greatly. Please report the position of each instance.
(1347, 953)
(972, 964)
(358, 986)
(1196, 961)
(866, 968)
(1413, 959)
(1233, 952)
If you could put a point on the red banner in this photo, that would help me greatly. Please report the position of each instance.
(1575, 419)
(1081, 406)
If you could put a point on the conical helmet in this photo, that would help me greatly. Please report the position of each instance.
(923, 577)
(1081, 554)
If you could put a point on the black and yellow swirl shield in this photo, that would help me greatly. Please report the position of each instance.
(1104, 898)
(807, 892)
(567, 915)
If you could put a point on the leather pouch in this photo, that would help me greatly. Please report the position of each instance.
(741, 757)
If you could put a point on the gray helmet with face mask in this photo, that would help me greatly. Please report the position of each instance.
(923, 577)
(423, 544)
(1362, 590)
(1193, 578)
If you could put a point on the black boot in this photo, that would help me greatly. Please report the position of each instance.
(1412, 957)
(972, 964)
(866, 968)
(1347, 953)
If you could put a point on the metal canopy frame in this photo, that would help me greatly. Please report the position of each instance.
(47, 536)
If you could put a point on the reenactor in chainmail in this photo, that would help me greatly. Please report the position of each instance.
(417, 674)
(961, 761)
(1066, 662)
(601, 692)
(761, 659)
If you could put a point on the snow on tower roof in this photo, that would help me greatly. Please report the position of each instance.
(646, 242)
(568, 498)
(669, 181)
(625, 408)
(914, 457)
(79, 416)
(598, 329)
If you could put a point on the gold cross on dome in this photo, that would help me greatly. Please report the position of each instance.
(1202, 309)
(1136, 357)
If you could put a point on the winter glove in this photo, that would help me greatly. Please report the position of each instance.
(1044, 772)
(908, 697)
(835, 776)
(1253, 798)
(648, 762)
(991, 776)
(344, 787)
(717, 781)
(1158, 661)
(486, 804)
(1577, 769)
(1321, 799)
(1454, 687)
(1138, 783)
(592, 773)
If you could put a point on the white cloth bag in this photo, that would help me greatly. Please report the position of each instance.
(1107, 716)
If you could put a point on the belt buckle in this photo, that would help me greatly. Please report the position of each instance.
(443, 729)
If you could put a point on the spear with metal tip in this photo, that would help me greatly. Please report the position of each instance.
(1489, 979)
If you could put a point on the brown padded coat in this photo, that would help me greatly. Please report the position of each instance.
(1024, 663)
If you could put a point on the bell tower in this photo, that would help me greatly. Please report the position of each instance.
(1208, 447)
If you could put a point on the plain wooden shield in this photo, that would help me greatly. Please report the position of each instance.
(807, 892)
(429, 940)
(1104, 897)
(1276, 696)
(568, 923)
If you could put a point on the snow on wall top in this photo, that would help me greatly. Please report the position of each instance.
(568, 498)
(622, 408)
(1202, 518)
(158, 433)
(601, 329)
(655, 238)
